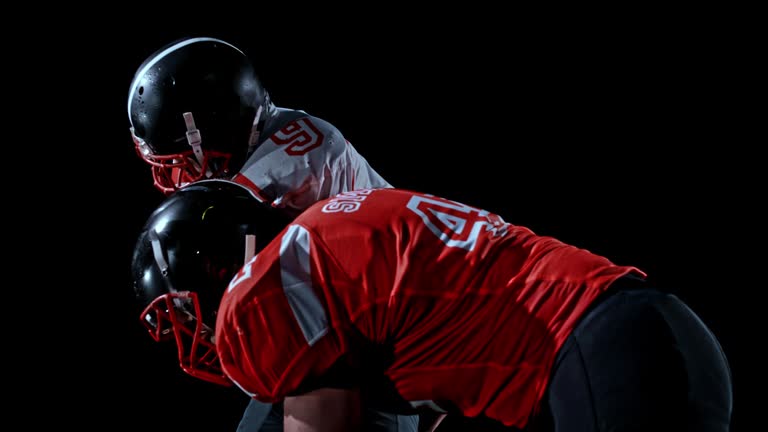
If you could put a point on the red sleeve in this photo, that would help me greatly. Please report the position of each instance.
(259, 339)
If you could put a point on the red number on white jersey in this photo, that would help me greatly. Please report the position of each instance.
(300, 136)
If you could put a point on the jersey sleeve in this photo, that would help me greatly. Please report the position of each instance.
(273, 334)
(305, 161)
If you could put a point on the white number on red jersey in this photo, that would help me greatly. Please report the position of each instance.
(455, 224)
(243, 274)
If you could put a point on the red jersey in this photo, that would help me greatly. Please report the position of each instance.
(473, 308)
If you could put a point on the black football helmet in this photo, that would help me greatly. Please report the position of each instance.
(189, 249)
(196, 108)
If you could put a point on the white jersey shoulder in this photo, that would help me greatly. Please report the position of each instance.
(303, 159)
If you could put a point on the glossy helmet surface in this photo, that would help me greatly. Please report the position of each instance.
(189, 249)
(195, 108)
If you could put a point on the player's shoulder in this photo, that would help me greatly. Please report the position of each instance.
(300, 118)
(343, 207)
(253, 291)
(301, 132)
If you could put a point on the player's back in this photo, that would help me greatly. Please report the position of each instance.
(470, 310)
(474, 308)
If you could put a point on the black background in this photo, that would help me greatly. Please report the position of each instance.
(624, 136)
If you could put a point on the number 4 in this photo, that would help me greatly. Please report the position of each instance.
(455, 224)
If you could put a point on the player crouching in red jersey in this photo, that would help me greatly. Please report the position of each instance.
(408, 301)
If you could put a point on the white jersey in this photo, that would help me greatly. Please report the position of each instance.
(303, 159)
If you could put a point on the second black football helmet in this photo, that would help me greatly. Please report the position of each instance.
(190, 248)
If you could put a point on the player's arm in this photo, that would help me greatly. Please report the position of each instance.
(323, 410)
(328, 401)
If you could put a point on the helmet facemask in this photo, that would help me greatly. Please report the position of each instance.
(168, 317)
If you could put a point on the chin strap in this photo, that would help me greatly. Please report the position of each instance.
(157, 251)
(250, 247)
(194, 139)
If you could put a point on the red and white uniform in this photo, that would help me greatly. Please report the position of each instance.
(302, 160)
(474, 309)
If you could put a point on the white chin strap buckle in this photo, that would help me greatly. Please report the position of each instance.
(193, 137)
(250, 247)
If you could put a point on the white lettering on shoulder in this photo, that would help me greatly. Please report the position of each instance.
(347, 202)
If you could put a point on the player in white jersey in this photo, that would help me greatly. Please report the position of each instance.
(198, 110)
